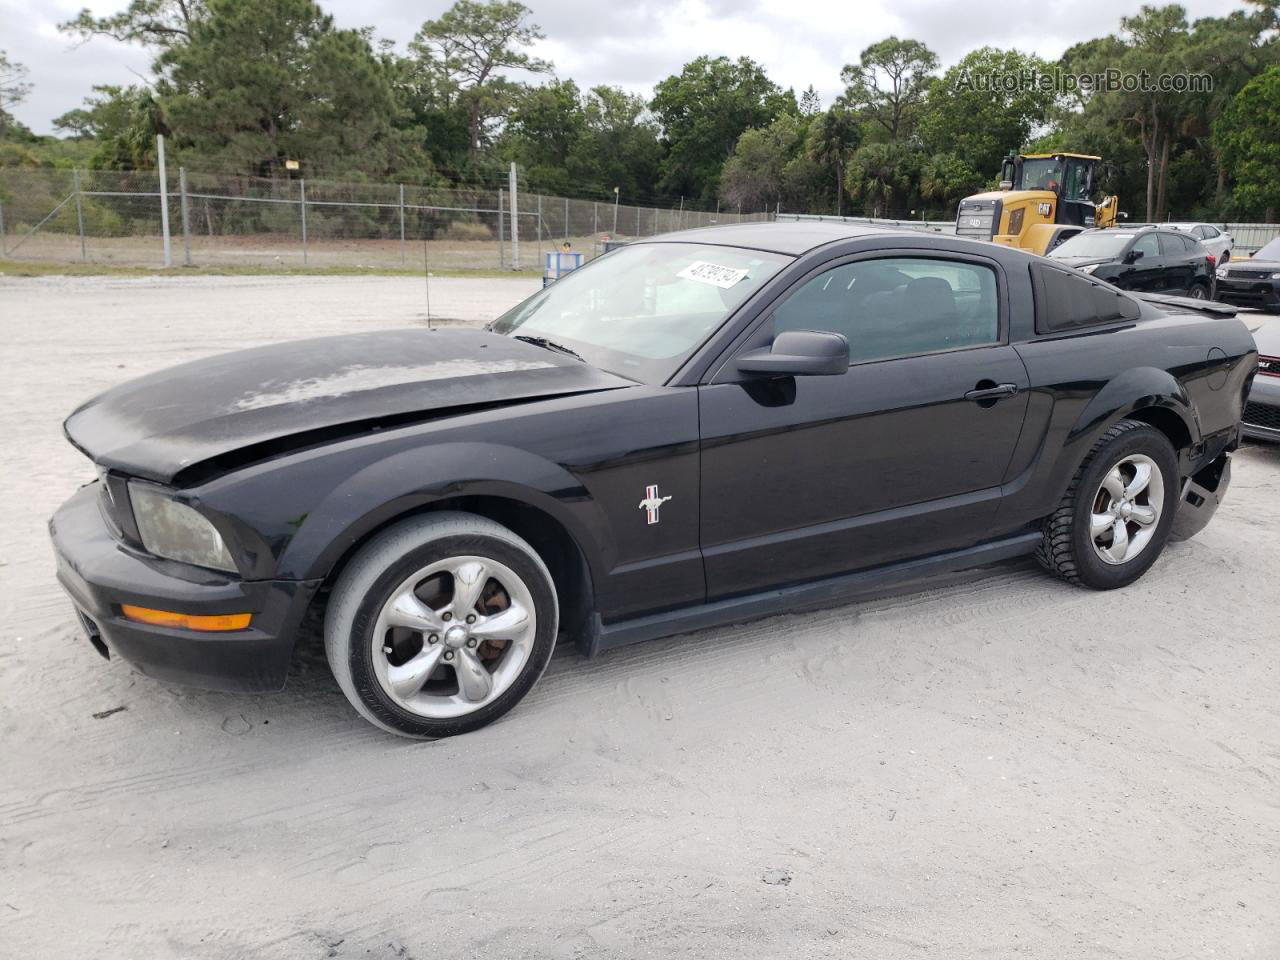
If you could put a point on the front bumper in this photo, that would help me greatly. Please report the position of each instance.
(101, 573)
(1249, 293)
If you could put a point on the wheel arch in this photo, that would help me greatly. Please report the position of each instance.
(558, 548)
(537, 499)
(1149, 394)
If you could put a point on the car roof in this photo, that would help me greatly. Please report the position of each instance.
(792, 237)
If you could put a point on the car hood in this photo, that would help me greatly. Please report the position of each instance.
(159, 425)
(1271, 265)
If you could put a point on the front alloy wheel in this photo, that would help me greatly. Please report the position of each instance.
(453, 636)
(440, 624)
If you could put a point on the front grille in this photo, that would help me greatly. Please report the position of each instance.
(1262, 415)
(1236, 273)
(975, 220)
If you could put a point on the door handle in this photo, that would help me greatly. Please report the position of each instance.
(994, 392)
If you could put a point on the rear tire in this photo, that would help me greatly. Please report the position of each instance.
(1198, 291)
(440, 624)
(1112, 524)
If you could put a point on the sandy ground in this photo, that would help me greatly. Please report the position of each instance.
(1000, 766)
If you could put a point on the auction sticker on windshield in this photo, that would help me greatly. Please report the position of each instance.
(712, 273)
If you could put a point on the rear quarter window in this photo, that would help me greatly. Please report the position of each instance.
(1067, 300)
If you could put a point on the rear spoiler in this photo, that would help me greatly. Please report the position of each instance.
(1211, 307)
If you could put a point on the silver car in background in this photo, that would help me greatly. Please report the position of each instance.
(1217, 242)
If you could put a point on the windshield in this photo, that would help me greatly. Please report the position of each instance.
(1092, 245)
(641, 310)
(1041, 175)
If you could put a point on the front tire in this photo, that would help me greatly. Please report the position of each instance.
(440, 624)
(1115, 517)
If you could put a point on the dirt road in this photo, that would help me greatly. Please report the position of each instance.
(1000, 766)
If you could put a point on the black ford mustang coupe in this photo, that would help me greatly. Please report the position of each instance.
(710, 426)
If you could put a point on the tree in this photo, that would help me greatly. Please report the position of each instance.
(1234, 49)
(13, 90)
(810, 104)
(157, 23)
(883, 175)
(621, 146)
(889, 84)
(123, 120)
(1248, 136)
(832, 138)
(703, 111)
(544, 134)
(466, 50)
(263, 81)
(978, 122)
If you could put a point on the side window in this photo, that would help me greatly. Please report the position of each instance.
(897, 307)
(1077, 183)
(1172, 245)
(1148, 245)
(1066, 300)
(1208, 233)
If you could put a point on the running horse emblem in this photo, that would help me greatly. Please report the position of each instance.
(652, 501)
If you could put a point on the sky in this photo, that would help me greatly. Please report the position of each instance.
(633, 44)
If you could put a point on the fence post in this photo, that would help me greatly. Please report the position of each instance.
(515, 220)
(595, 228)
(302, 200)
(402, 251)
(75, 177)
(186, 217)
(164, 202)
(566, 219)
(502, 235)
(3, 251)
(540, 267)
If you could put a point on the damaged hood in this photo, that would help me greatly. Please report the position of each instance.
(161, 424)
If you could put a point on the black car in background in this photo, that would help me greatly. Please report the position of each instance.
(1254, 282)
(1145, 260)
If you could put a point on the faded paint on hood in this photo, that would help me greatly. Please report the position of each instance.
(160, 424)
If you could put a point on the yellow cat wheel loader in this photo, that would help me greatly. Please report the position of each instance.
(1043, 199)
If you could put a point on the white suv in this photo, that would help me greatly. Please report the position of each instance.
(1215, 241)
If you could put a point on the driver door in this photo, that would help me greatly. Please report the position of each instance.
(809, 476)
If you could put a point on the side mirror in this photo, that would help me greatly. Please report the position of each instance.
(799, 353)
(1133, 256)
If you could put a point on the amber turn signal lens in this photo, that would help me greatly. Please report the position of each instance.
(186, 621)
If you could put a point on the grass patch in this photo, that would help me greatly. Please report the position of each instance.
(50, 268)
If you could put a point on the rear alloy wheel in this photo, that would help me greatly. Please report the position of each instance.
(1115, 517)
(1198, 291)
(440, 624)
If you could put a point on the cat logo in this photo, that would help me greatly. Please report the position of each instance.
(1046, 209)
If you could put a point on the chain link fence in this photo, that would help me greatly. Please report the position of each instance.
(1248, 237)
(110, 217)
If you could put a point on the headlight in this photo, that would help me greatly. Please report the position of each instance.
(175, 531)
(1222, 273)
(1089, 267)
(1275, 276)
